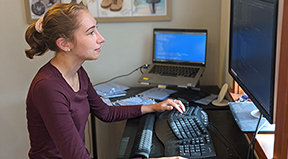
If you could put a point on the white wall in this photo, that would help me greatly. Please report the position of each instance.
(128, 46)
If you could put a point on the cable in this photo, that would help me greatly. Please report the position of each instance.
(143, 66)
(225, 139)
(250, 154)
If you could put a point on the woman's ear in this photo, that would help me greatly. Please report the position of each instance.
(63, 44)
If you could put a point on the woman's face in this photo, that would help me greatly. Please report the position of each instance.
(87, 42)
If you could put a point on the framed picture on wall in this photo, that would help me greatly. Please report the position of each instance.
(108, 10)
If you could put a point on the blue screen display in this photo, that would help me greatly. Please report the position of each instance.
(188, 47)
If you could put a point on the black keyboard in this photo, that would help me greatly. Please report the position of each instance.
(174, 70)
(143, 140)
(185, 134)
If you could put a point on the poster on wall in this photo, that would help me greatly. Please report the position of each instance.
(108, 10)
(39, 7)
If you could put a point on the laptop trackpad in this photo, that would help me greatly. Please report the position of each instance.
(166, 79)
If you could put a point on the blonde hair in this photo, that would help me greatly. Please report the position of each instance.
(60, 21)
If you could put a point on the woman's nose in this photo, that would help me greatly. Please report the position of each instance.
(100, 38)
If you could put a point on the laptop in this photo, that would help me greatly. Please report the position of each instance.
(175, 49)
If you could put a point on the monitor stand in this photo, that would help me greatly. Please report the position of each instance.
(256, 113)
(196, 87)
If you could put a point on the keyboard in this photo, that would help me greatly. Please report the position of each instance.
(174, 71)
(185, 134)
(181, 134)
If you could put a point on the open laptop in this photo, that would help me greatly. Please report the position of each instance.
(174, 48)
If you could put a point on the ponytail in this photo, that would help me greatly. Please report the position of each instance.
(35, 41)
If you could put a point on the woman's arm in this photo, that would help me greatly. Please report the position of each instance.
(110, 113)
(168, 104)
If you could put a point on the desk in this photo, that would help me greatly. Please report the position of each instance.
(230, 137)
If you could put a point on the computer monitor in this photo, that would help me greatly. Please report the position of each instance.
(252, 52)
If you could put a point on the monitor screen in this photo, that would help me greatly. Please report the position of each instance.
(180, 45)
(252, 52)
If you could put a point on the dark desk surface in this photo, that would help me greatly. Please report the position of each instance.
(228, 140)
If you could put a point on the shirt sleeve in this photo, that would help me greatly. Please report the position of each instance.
(53, 107)
(108, 113)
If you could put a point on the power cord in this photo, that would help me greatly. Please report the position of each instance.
(252, 142)
(225, 140)
(139, 68)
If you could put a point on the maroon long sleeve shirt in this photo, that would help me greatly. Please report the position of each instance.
(57, 115)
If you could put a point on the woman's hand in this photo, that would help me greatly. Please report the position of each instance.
(168, 104)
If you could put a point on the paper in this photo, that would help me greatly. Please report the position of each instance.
(206, 100)
(157, 93)
(134, 101)
(110, 89)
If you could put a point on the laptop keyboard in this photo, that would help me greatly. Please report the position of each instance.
(174, 71)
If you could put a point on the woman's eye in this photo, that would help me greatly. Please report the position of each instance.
(91, 33)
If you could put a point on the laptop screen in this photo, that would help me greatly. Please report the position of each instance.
(181, 46)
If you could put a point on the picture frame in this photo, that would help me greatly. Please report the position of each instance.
(130, 11)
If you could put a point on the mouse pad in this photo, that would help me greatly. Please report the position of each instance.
(246, 121)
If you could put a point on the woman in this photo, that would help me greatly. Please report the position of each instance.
(61, 95)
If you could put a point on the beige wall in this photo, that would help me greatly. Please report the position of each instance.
(128, 46)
